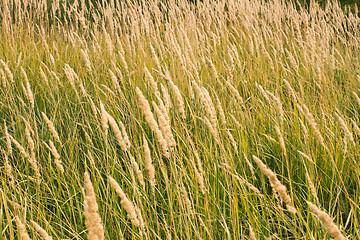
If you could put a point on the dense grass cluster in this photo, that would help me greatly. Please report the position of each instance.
(175, 120)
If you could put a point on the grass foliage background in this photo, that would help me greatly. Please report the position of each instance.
(245, 43)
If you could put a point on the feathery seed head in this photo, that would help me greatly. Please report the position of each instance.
(22, 229)
(328, 223)
(149, 117)
(276, 184)
(51, 127)
(125, 202)
(92, 218)
(41, 231)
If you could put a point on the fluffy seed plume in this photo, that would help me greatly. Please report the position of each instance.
(310, 119)
(236, 93)
(91, 159)
(306, 133)
(117, 132)
(137, 170)
(249, 164)
(118, 72)
(164, 110)
(232, 140)
(165, 127)
(149, 117)
(290, 89)
(139, 215)
(111, 92)
(3, 78)
(264, 93)
(8, 139)
(93, 107)
(125, 202)
(116, 84)
(213, 130)
(221, 111)
(357, 98)
(125, 135)
(201, 93)
(51, 127)
(72, 76)
(29, 139)
(344, 126)
(57, 160)
(277, 100)
(86, 59)
(43, 76)
(276, 184)
(92, 218)
(15, 205)
(41, 231)
(152, 82)
(356, 127)
(243, 181)
(20, 148)
(155, 56)
(8, 169)
(30, 158)
(148, 164)
(328, 223)
(104, 119)
(52, 59)
(178, 99)
(22, 229)
(7, 71)
(312, 187)
(252, 235)
(123, 60)
(306, 156)
(281, 140)
(212, 110)
(166, 97)
(28, 92)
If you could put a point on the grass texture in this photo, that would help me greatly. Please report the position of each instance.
(175, 120)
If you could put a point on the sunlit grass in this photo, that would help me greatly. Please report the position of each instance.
(226, 82)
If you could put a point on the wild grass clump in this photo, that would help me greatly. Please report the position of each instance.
(163, 103)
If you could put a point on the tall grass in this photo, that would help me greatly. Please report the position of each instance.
(163, 104)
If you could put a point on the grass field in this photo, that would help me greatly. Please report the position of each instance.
(222, 119)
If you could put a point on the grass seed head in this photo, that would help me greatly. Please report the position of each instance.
(41, 231)
(92, 218)
(22, 229)
(328, 223)
(276, 184)
(149, 117)
(148, 164)
(51, 127)
(125, 202)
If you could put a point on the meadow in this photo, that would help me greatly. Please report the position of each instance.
(161, 119)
